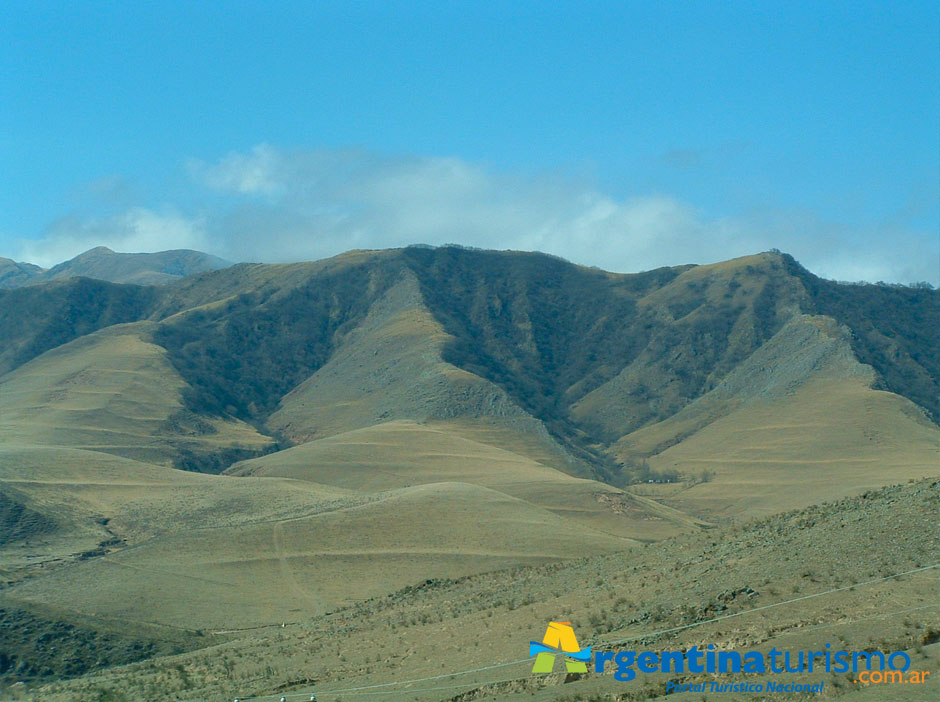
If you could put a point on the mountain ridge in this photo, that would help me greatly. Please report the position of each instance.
(102, 263)
(249, 449)
(555, 339)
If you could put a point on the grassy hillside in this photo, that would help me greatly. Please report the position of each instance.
(895, 329)
(243, 354)
(96, 498)
(138, 542)
(13, 274)
(404, 454)
(388, 367)
(447, 425)
(139, 268)
(290, 570)
(591, 355)
(18, 522)
(707, 322)
(114, 391)
(795, 423)
(565, 341)
(799, 580)
(41, 644)
(827, 440)
(36, 319)
(603, 371)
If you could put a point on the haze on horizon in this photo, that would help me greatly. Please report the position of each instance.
(621, 135)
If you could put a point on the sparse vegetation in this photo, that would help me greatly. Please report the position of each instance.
(241, 357)
(355, 646)
(36, 319)
(371, 548)
(894, 330)
(40, 646)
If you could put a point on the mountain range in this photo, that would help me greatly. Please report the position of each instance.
(103, 263)
(194, 446)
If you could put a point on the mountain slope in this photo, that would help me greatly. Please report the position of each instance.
(440, 413)
(34, 320)
(290, 570)
(795, 582)
(242, 353)
(404, 454)
(797, 422)
(829, 439)
(13, 274)
(101, 263)
(138, 268)
(586, 364)
(389, 367)
(894, 329)
(706, 322)
(113, 391)
(807, 349)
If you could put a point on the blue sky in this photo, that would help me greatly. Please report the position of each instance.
(623, 134)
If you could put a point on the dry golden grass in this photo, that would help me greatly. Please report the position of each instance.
(290, 568)
(414, 469)
(390, 367)
(402, 454)
(108, 391)
(827, 440)
(796, 423)
(96, 496)
(813, 581)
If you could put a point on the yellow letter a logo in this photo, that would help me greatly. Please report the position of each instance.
(559, 638)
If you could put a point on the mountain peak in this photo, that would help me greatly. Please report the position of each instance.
(14, 274)
(100, 262)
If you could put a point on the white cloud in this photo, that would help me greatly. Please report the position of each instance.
(286, 205)
(295, 205)
(137, 229)
(246, 174)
